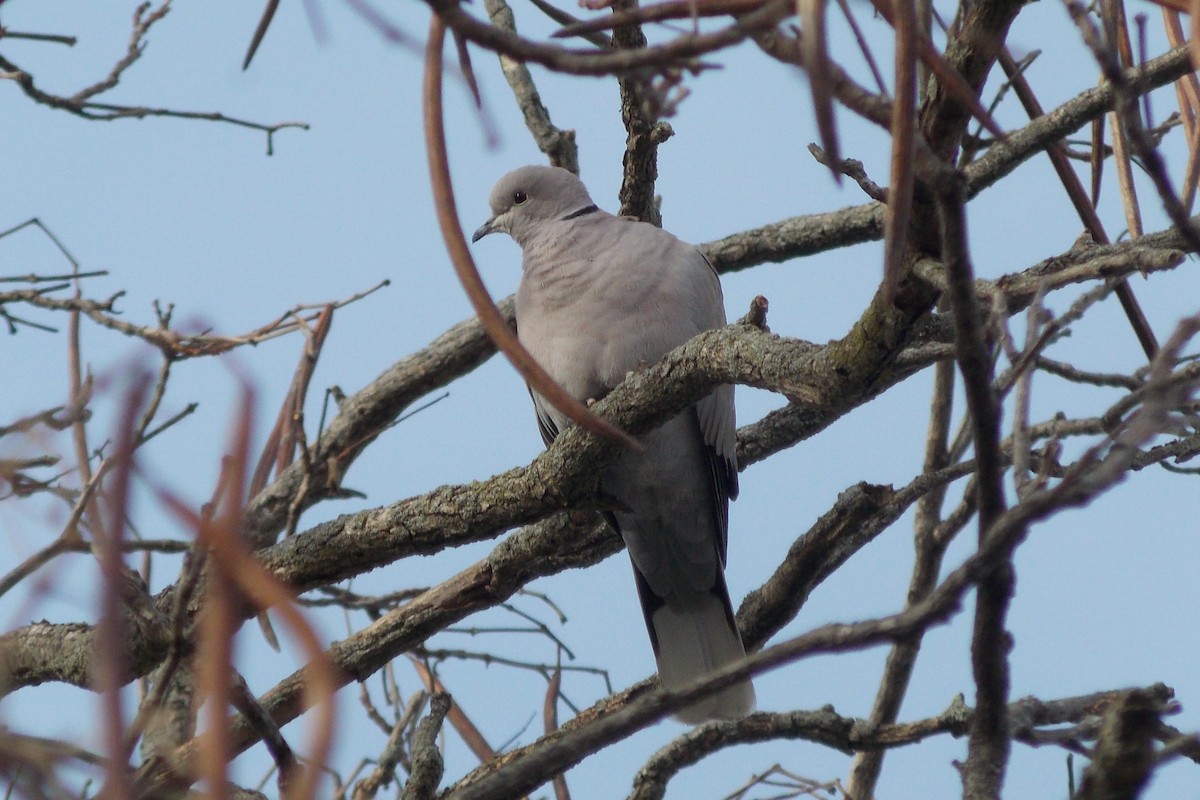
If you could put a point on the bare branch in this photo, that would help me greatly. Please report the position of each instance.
(427, 758)
(83, 105)
(557, 144)
(862, 736)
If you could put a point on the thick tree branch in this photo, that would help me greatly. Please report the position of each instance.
(563, 476)
(365, 415)
(527, 768)
(543, 549)
(865, 736)
(815, 233)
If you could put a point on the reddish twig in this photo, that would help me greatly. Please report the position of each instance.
(677, 52)
(862, 46)
(550, 725)
(1083, 206)
(464, 266)
(659, 12)
(814, 53)
(264, 591)
(471, 735)
(260, 31)
(111, 634)
(1114, 13)
(950, 80)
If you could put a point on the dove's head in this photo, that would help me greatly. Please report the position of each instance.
(529, 196)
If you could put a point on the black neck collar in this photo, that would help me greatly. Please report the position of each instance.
(581, 212)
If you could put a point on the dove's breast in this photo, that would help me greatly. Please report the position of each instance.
(598, 300)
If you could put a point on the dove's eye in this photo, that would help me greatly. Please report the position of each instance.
(520, 197)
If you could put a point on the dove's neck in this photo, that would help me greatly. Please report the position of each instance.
(563, 263)
(533, 233)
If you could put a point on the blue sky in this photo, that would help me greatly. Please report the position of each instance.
(196, 214)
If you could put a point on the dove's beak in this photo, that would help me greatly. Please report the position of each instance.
(484, 230)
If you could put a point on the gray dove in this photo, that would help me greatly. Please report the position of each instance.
(599, 296)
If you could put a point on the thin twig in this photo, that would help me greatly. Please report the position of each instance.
(988, 747)
(1080, 200)
(880, 84)
(852, 168)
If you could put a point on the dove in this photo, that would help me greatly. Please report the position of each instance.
(600, 296)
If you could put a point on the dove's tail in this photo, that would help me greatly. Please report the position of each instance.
(691, 639)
